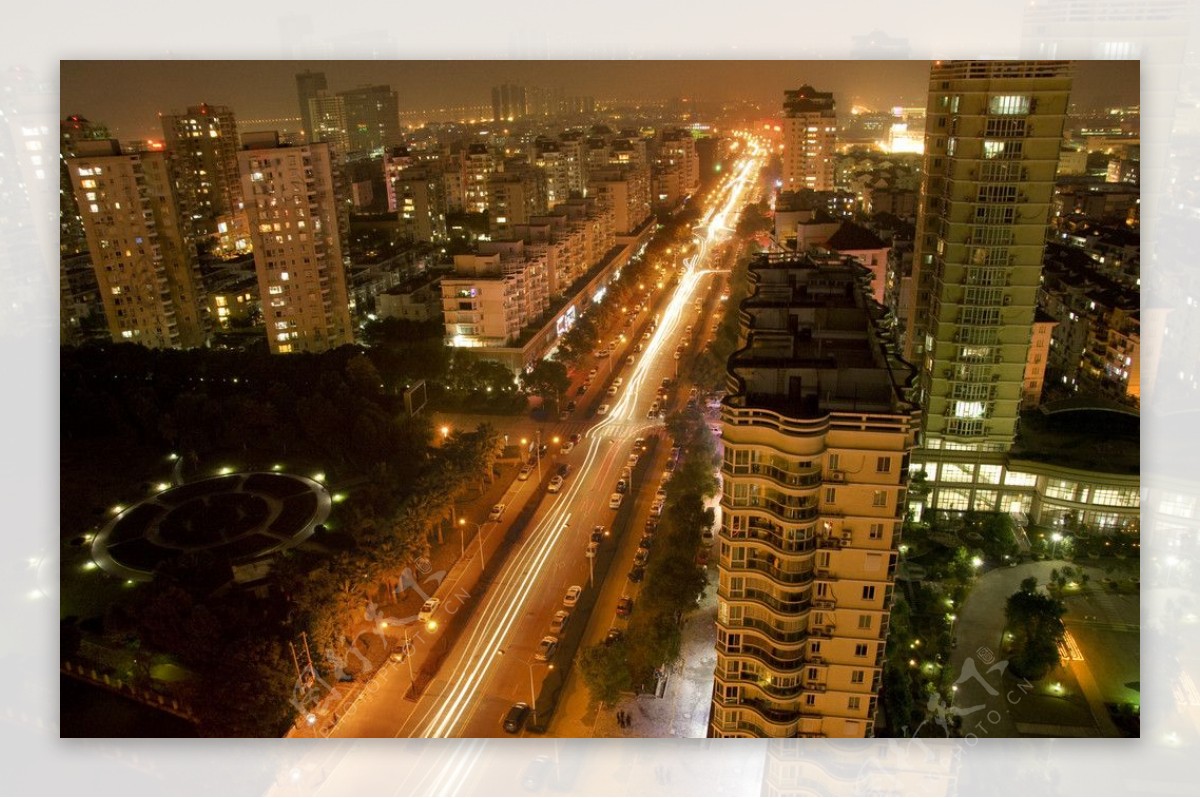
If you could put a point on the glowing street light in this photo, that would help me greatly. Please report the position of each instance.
(976, 561)
(1054, 539)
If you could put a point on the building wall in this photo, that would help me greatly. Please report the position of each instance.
(1035, 365)
(991, 155)
(295, 230)
(145, 268)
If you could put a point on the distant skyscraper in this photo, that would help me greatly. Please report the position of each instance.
(308, 83)
(203, 146)
(145, 266)
(809, 138)
(372, 118)
(295, 228)
(817, 430)
(328, 114)
(993, 135)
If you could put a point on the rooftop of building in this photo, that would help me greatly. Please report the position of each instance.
(814, 342)
(851, 237)
(1087, 433)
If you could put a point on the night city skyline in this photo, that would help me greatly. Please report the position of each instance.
(762, 399)
(128, 95)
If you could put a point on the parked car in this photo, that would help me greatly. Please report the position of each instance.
(622, 486)
(428, 609)
(614, 501)
(614, 636)
(639, 444)
(555, 485)
(640, 556)
(646, 542)
(403, 652)
(559, 621)
(514, 719)
(575, 437)
(497, 511)
(582, 389)
(592, 374)
(572, 596)
(632, 461)
(571, 406)
(602, 410)
(526, 470)
(546, 648)
(563, 469)
(566, 448)
(599, 533)
(592, 548)
(612, 390)
(624, 607)
(637, 574)
(653, 411)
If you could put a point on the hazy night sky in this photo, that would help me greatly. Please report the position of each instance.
(128, 95)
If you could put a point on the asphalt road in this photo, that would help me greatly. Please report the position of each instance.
(491, 664)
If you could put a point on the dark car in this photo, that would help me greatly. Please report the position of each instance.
(515, 719)
(646, 541)
(624, 607)
(564, 469)
(637, 573)
(614, 636)
(570, 406)
(651, 524)
(542, 449)
(581, 390)
(599, 533)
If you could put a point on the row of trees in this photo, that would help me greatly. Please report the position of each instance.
(673, 582)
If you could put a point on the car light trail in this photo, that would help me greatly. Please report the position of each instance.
(521, 574)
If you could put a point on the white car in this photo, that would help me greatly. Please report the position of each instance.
(612, 390)
(497, 511)
(555, 485)
(546, 648)
(572, 597)
(653, 411)
(619, 381)
(632, 461)
(559, 621)
(602, 410)
(614, 501)
(592, 374)
(591, 550)
(525, 472)
(428, 609)
(566, 447)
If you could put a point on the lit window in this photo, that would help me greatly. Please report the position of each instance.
(275, 289)
(94, 208)
(283, 276)
(126, 333)
(1009, 104)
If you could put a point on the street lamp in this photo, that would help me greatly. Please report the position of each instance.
(462, 524)
(532, 692)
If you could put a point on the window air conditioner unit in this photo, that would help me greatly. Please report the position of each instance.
(837, 476)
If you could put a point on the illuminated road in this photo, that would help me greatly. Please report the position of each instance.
(491, 665)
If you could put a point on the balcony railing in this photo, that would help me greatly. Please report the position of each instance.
(766, 599)
(786, 478)
(775, 572)
(770, 631)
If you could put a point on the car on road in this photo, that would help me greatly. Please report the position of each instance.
(651, 524)
(428, 609)
(592, 374)
(599, 533)
(575, 437)
(632, 461)
(660, 495)
(559, 621)
(707, 536)
(656, 509)
(526, 470)
(679, 353)
(555, 485)
(637, 573)
(612, 390)
(645, 336)
(514, 719)
(624, 606)
(619, 381)
(622, 486)
(653, 411)
(497, 511)
(601, 353)
(614, 501)
(582, 389)
(572, 596)
(602, 410)
(402, 653)
(647, 541)
(592, 548)
(614, 636)
(640, 556)
(546, 648)
(563, 470)
(639, 444)
(566, 448)
(571, 406)
(629, 360)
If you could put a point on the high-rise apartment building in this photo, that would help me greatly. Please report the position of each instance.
(817, 428)
(327, 112)
(308, 83)
(420, 202)
(71, 131)
(372, 118)
(809, 139)
(146, 269)
(512, 197)
(203, 146)
(478, 166)
(624, 189)
(295, 227)
(992, 143)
